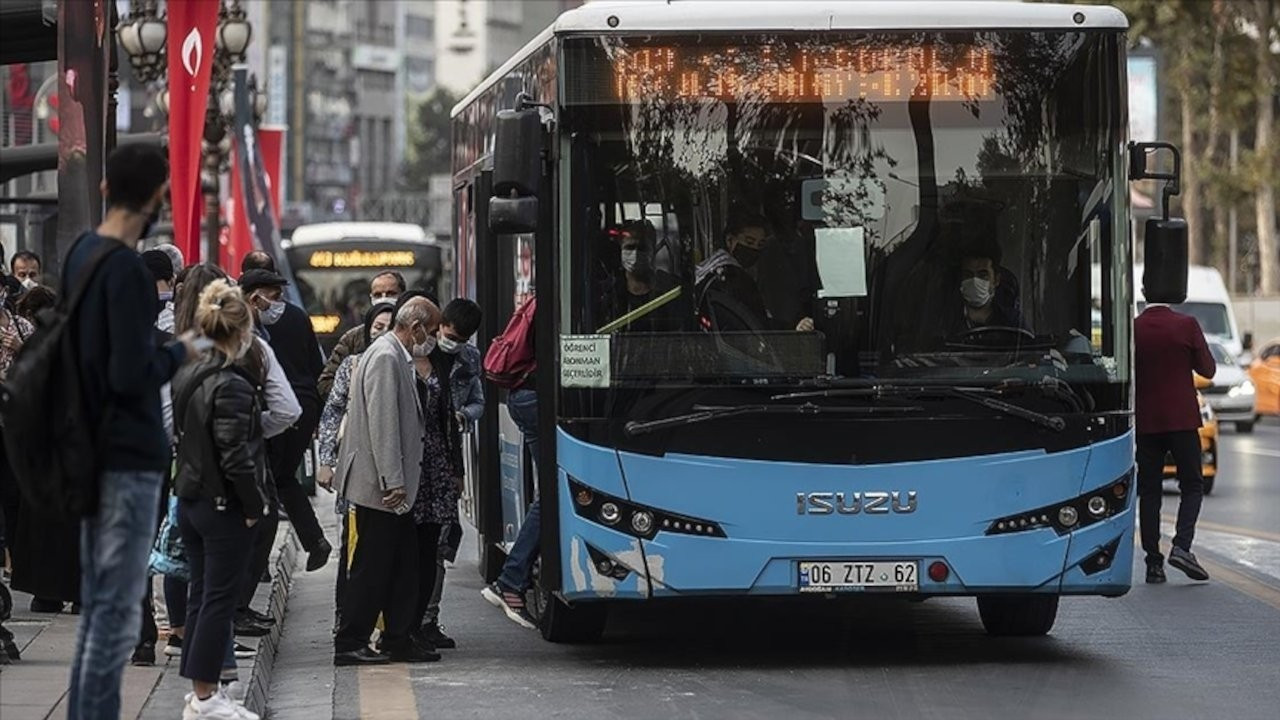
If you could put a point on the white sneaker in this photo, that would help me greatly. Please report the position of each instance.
(235, 690)
(188, 711)
(220, 707)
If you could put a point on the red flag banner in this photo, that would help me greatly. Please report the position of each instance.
(270, 144)
(190, 47)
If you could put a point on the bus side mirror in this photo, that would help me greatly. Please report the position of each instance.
(513, 215)
(517, 153)
(1164, 277)
(517, 172)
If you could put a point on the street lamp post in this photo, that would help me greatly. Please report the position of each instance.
(143, 35)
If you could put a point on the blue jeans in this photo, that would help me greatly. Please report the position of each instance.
(115, 543)
(523, 406)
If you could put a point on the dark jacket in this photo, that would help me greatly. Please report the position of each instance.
(221, 451)
(1167, 347)
(296, 347)
(121, 367)
(351, 343)
(444, 365)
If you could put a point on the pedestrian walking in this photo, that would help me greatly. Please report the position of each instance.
(161, 268)
(459, 323)
(1168, 348)
(120, 372)
(511, 361)
(287, 328)
(379, 467)
(14, 330)
(220, 483)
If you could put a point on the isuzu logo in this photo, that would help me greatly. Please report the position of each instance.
(852, 503)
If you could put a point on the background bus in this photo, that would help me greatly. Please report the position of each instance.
(334, 262)
(693, 447)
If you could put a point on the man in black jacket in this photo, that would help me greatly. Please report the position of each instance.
(288, 330)
(121, 371)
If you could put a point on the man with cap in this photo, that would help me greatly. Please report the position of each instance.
(161, 269)
(295, 345)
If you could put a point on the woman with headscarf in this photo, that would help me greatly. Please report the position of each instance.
(328, 434)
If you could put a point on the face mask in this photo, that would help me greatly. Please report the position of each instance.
(424, 348)
(29, 283)
(976, 292)
(746, 256)
(166, 296)
(374, 299)
(449, 345)
(636, 263)
(273, 313)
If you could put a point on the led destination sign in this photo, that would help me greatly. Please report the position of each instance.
(774, 73)
(362, 259)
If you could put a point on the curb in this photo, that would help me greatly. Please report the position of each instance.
(276, 603)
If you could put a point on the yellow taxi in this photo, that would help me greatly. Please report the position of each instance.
(1208, 443)
(1265, 373)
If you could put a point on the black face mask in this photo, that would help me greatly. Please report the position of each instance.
(746, 256)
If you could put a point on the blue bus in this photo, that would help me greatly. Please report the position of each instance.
(815, 304)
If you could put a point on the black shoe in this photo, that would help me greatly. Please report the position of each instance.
(144, 655)
(437, 638)
(412, 653)
(250, 628)
(317, 558)
(1187, 563)
(363, 656)
(173, 648)
(9, 650)
(257, 617)
(1155, 574)
(45, 605)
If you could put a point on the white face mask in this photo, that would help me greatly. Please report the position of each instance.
(424, 348)
(450, 345)
(273, 313)
(629, 260)
(29, 283)
(976, 292)
(375, 300)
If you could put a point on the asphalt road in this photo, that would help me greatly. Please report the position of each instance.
(1247, 492)
(1183, 650)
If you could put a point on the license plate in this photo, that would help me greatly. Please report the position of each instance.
(888, 575)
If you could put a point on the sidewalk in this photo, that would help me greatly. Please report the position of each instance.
(35, 687)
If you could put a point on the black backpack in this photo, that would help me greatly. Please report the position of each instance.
(52, 450)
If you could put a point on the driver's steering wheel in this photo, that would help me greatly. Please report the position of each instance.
(983, 331)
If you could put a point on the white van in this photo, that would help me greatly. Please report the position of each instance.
(1208, 302)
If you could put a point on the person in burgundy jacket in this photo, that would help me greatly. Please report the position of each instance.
(1168, 347)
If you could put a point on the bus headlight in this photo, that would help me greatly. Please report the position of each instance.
(1070, 515)
(641, 521)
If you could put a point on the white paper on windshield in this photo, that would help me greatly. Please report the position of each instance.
(842, 262)
(584, 361)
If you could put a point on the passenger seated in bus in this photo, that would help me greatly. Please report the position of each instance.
(981, 304)
(637, 282)
(728, 297)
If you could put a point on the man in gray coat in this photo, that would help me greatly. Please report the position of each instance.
(379, 465)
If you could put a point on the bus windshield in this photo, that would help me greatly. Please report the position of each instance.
(774, 209)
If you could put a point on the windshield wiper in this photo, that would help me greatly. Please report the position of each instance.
(983, 396)
(704, 413)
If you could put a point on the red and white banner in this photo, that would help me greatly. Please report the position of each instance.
(190, 45)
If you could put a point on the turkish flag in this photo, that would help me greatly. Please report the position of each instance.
(190, 47)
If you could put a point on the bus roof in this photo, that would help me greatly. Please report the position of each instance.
(319, 233)
(755, 15)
